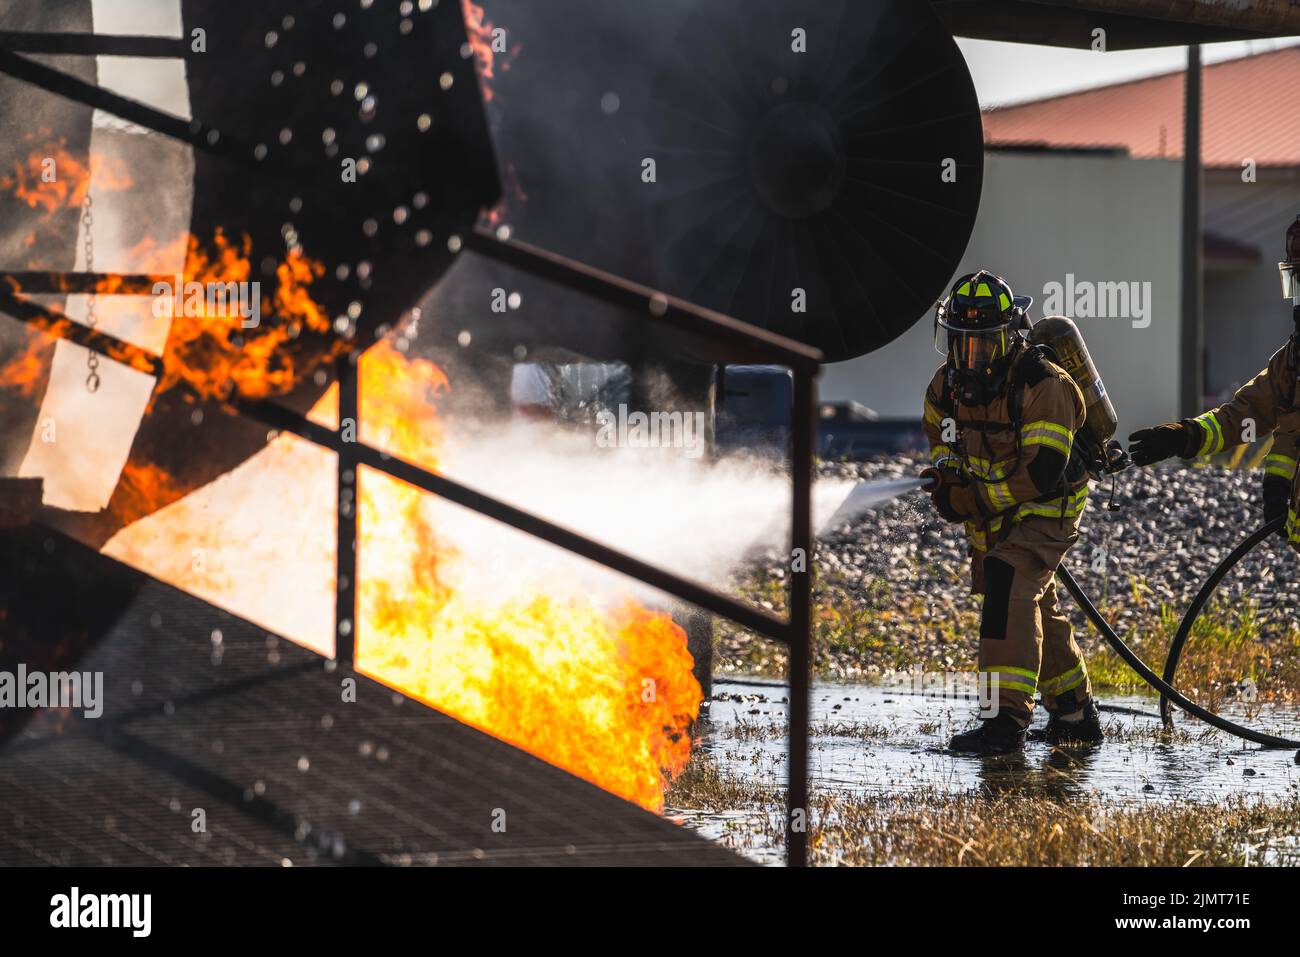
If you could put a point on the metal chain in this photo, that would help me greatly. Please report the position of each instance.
(88, 245)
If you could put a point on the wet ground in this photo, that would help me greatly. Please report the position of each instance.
(868, 738)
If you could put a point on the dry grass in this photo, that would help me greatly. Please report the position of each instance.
(857, 632)
(742, 730)
(1014, 827)
(866, 634)
(1229, 645)
(703, 787)
(1015, 830)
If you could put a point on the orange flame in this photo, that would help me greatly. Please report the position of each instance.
(208, 349)
(513, 192)
(52, 179)
(608, 695)
(25, 374)
(597, 685)
(478, 31)
(212, 353)
(602, 689)
(141, 487)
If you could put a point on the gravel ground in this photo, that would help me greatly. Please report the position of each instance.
(907, 566)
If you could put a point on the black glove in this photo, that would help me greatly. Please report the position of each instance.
(1277, 499)
(1148, 446)
(952, 495)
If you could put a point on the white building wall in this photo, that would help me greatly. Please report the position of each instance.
(1043, 215)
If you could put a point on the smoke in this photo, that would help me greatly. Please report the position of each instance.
(271, 520)
(695, 517)
(569, 124)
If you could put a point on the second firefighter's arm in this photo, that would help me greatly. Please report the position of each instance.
(1053, 411)
(1259, 401)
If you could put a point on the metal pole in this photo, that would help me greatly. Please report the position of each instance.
(1192, 343)
(802, 431)
(94, 44)
(58, 324)
(748, 343)
(194, 132)
(345, 610)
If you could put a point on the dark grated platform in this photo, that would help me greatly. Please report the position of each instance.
(252, 730)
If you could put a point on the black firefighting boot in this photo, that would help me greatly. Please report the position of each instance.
(1084, 730)
(1000, 735)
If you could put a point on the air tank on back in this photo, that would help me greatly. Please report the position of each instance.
(1062, 336)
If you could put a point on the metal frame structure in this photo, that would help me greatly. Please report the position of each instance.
(750, 342)
(745, 342)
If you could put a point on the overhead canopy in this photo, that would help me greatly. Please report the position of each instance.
(1129, 24)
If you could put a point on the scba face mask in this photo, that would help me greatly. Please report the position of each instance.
(977, 357)
(978, 362)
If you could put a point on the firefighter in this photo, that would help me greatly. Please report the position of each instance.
(1270, 402)
(1001, 416)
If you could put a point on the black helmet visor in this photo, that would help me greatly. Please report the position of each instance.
(969, 348)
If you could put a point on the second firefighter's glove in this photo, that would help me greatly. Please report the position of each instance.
(1277, 499)
(1148, 446)
(953, 497)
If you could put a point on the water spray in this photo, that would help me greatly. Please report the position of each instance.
(867, 495)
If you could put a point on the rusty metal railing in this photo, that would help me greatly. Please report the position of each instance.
(746, 342)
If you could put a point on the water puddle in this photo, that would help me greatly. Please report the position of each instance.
(872, 739)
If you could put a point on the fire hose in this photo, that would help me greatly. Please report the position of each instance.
(1163, 685)
(1199, 602)
(1168, 692)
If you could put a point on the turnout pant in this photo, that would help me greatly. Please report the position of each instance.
(1026, 644)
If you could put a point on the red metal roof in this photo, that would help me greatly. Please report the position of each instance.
(1250, 113)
